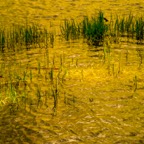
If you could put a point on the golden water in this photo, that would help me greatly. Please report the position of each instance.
(100, 97)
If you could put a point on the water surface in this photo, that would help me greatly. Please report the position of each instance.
(100, 95)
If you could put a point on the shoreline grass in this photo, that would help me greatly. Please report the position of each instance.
(26, 36)
(94, 29)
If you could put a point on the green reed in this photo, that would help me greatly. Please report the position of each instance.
(140, 55)
(66, 29)
(55, 94)
(70, 29)
(135, 83)
(51, 75)
(38, 94)
(94, 29)
(24, 36)
(129, 26)
(51, 38)
(12, 93)
(122, 26)
(64, 75)
(139, 28)
(32, 35)
(39, 67)
(24, 76)
(2, 40)
(31, 75)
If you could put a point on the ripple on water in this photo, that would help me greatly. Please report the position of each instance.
(100, 98)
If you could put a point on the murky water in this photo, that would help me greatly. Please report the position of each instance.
(100, 94)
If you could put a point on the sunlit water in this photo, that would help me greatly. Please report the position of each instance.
(100, 90)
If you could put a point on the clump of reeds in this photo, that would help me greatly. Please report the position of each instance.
(94, 29)
(70, 29)
(130, 26)
(18, 36)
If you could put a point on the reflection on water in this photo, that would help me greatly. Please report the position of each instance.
(73, 92)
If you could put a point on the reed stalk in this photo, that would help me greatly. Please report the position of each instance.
(139, 28)
(2, 40)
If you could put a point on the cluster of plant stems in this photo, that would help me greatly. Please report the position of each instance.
(97, 28)
(25, 36)
(94, 30)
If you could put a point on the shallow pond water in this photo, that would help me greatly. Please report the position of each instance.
(73, 92)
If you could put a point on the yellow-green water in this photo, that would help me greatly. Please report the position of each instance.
(100, 92)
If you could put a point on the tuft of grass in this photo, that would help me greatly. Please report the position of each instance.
(129, 25)
(70, 29)
(94, 29)
(24, 36)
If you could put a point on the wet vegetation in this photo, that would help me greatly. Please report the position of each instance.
(94, 29)
(103, 93)
(25, 37)
(97, 28)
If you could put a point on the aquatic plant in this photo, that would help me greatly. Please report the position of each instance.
(24, 36)
(2, 40)
(70, 29)
(52, 39)
(139, 28)
(135, 83)
(94, 29)
(129, 25)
